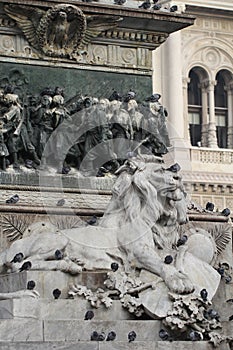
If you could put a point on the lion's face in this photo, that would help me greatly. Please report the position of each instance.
(168, 184)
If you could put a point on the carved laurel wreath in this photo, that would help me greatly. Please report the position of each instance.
(61, 30)
(74, 29)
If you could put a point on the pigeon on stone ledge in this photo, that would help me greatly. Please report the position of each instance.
(209, 206)
(145, 5)
(94, 335)
(17, 258)
(226, 212)
(119, 2)
(111, 336)
(163, 334)
(31, 285)
(132, 336)
(89, 315)
(173, 8)
(14, 199)
(26, 266)
(56, 293)
(101, 336)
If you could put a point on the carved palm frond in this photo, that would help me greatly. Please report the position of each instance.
(66, 222)
(222, 236)
(13, 226)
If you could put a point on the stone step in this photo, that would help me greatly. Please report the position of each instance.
(60, 309)
(115, 345)
(20, 330)
(47, 281)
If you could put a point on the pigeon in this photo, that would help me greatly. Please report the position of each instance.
(221, 271)
(174, 168)
(228, 279)
(65, 170)
(14, 199)
(60, 202)
(204, 294)
(17, 258)
(168, 259)
(213, 314)
(209, 206)
(56, 293)
(195, 336)
(111, 336)
(145, 5)
(119, 2)
(101, 336)
(94, 335)
(182, 240)
(132, 336)
(92, 221)
(226, 212)
(173, 8)
(58, 255)
(114, 266)
(31, 285)
(157, 7)
(89, 315)
(163, 334)
(26, 266)
(29, 163)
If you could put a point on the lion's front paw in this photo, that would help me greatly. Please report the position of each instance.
(177, 281)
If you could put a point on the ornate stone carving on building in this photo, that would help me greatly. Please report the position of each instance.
(60, 31)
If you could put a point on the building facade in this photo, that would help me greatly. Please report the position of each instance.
(193, 71)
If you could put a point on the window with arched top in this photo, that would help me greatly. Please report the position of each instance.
(220, 97)
(194, 108)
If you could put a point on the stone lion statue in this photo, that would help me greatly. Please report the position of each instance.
(138, 231)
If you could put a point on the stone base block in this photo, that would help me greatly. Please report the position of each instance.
(47, 281)
(81, 330)
(115, 345)
(60, 309)
(21, 330)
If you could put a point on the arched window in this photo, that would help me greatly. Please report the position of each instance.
(194, 108)
(220, 96)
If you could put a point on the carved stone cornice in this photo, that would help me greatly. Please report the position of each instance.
(130, 31)
(126, 37)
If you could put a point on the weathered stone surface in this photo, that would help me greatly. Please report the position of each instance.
(80, 330)
(47, 281)
(21, 330)
(50, 346)
(60, 309)
(20, 308)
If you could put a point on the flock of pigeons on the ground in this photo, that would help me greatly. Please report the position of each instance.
(145, 5)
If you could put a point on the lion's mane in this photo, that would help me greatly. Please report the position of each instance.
(139, 200)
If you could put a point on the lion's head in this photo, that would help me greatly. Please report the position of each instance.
(146, 191)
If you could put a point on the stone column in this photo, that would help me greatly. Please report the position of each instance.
(185, 106)
(205, 116)
(230, 115)
(212, 136)
(173, 99)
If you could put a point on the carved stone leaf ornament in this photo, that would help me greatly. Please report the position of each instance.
(60, 31)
